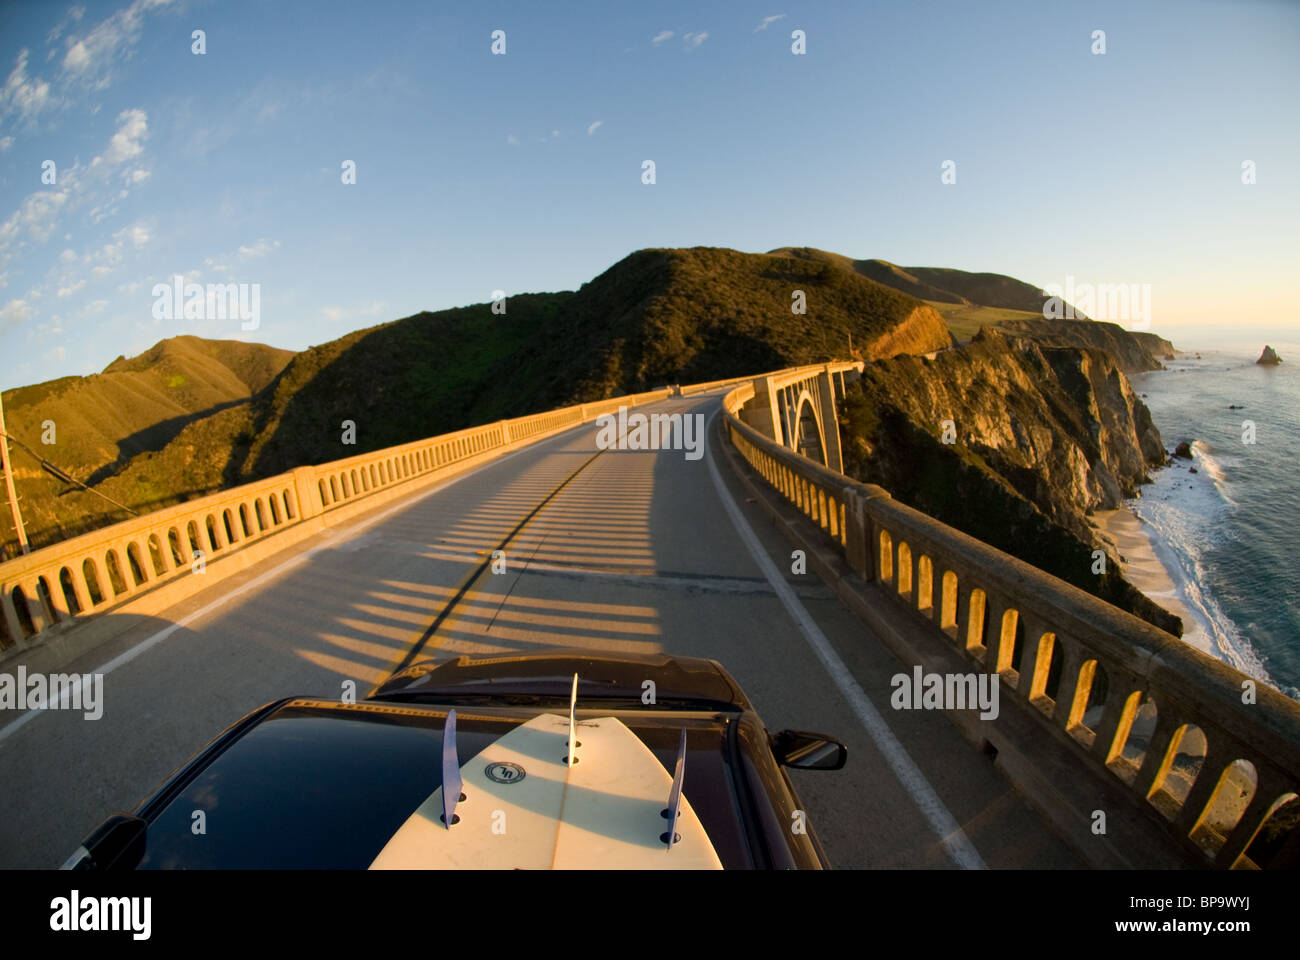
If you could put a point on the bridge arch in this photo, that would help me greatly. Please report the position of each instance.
(796, 409)
(808, 437)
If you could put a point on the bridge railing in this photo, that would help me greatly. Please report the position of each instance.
(1215, 753)
(105, 568)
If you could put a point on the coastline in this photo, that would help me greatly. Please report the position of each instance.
(1147, 563)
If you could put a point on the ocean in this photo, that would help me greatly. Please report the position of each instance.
(1231, 531)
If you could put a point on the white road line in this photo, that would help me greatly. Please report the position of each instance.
(345, 534)
(952, 838)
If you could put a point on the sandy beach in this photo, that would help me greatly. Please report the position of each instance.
(1144, 567)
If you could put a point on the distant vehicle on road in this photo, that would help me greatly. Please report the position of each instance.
(319, 784)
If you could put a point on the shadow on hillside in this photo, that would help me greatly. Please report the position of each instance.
(152, 439)
(418, 377)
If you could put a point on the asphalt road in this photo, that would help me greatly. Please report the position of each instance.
(611, 550)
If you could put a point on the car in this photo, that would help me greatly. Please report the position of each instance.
(556, 759)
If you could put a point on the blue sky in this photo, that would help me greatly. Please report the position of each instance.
(522, 172)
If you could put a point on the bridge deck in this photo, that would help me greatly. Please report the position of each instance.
(613, 550)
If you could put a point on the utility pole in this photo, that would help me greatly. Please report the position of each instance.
(9, 481)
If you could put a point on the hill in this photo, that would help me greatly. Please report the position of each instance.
(104, 421)
(937, 284)
(657, 316)
(969, 302)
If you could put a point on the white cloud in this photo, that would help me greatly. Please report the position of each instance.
(137, 233)
(126, 143)
(85, 69)
(767, 21)
(58, 355)
(693, 40)
(661, 36)
(70, 289)
(101, 272)
(14, 313)
(37, 218)
(6, 143)
(512, 140)
(591, 128)
(258, 249)
(78, 57)
(90, 58)
(73, 16)
(23, 97)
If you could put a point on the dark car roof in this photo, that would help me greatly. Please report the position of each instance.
(319, 785)
(677, 680)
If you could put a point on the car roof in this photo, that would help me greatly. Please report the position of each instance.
(675, 680)
(319, 784)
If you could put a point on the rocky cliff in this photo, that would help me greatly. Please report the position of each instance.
(1013, 441)
(1135, 351)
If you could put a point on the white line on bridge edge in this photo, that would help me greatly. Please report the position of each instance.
(952, 838)
(345, 534)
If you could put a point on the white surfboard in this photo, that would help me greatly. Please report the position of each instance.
(526, 808)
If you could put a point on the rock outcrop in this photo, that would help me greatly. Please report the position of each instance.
(1136, 352)
(1269, 357)
(1040, 436)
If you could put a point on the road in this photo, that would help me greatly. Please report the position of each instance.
(610, 550)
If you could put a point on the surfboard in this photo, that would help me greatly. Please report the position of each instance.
(525, 807)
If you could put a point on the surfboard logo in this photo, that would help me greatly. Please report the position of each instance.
(504, 772)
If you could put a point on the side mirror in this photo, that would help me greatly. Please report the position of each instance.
(117, 844)
(808, 751)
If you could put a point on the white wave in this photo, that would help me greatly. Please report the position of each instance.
(1214, 468)
(1181, 530)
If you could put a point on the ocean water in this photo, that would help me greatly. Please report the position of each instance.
(1232, 530)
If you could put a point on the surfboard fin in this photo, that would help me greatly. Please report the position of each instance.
(675, 794)
(573, 724)
(451, 782)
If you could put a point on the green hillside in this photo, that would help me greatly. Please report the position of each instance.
(655, 317)
(104, 421)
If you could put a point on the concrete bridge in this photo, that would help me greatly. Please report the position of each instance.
(1114, 744)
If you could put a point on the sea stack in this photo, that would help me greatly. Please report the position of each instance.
(1269, 357)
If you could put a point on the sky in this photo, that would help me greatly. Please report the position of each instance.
(523, 171)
